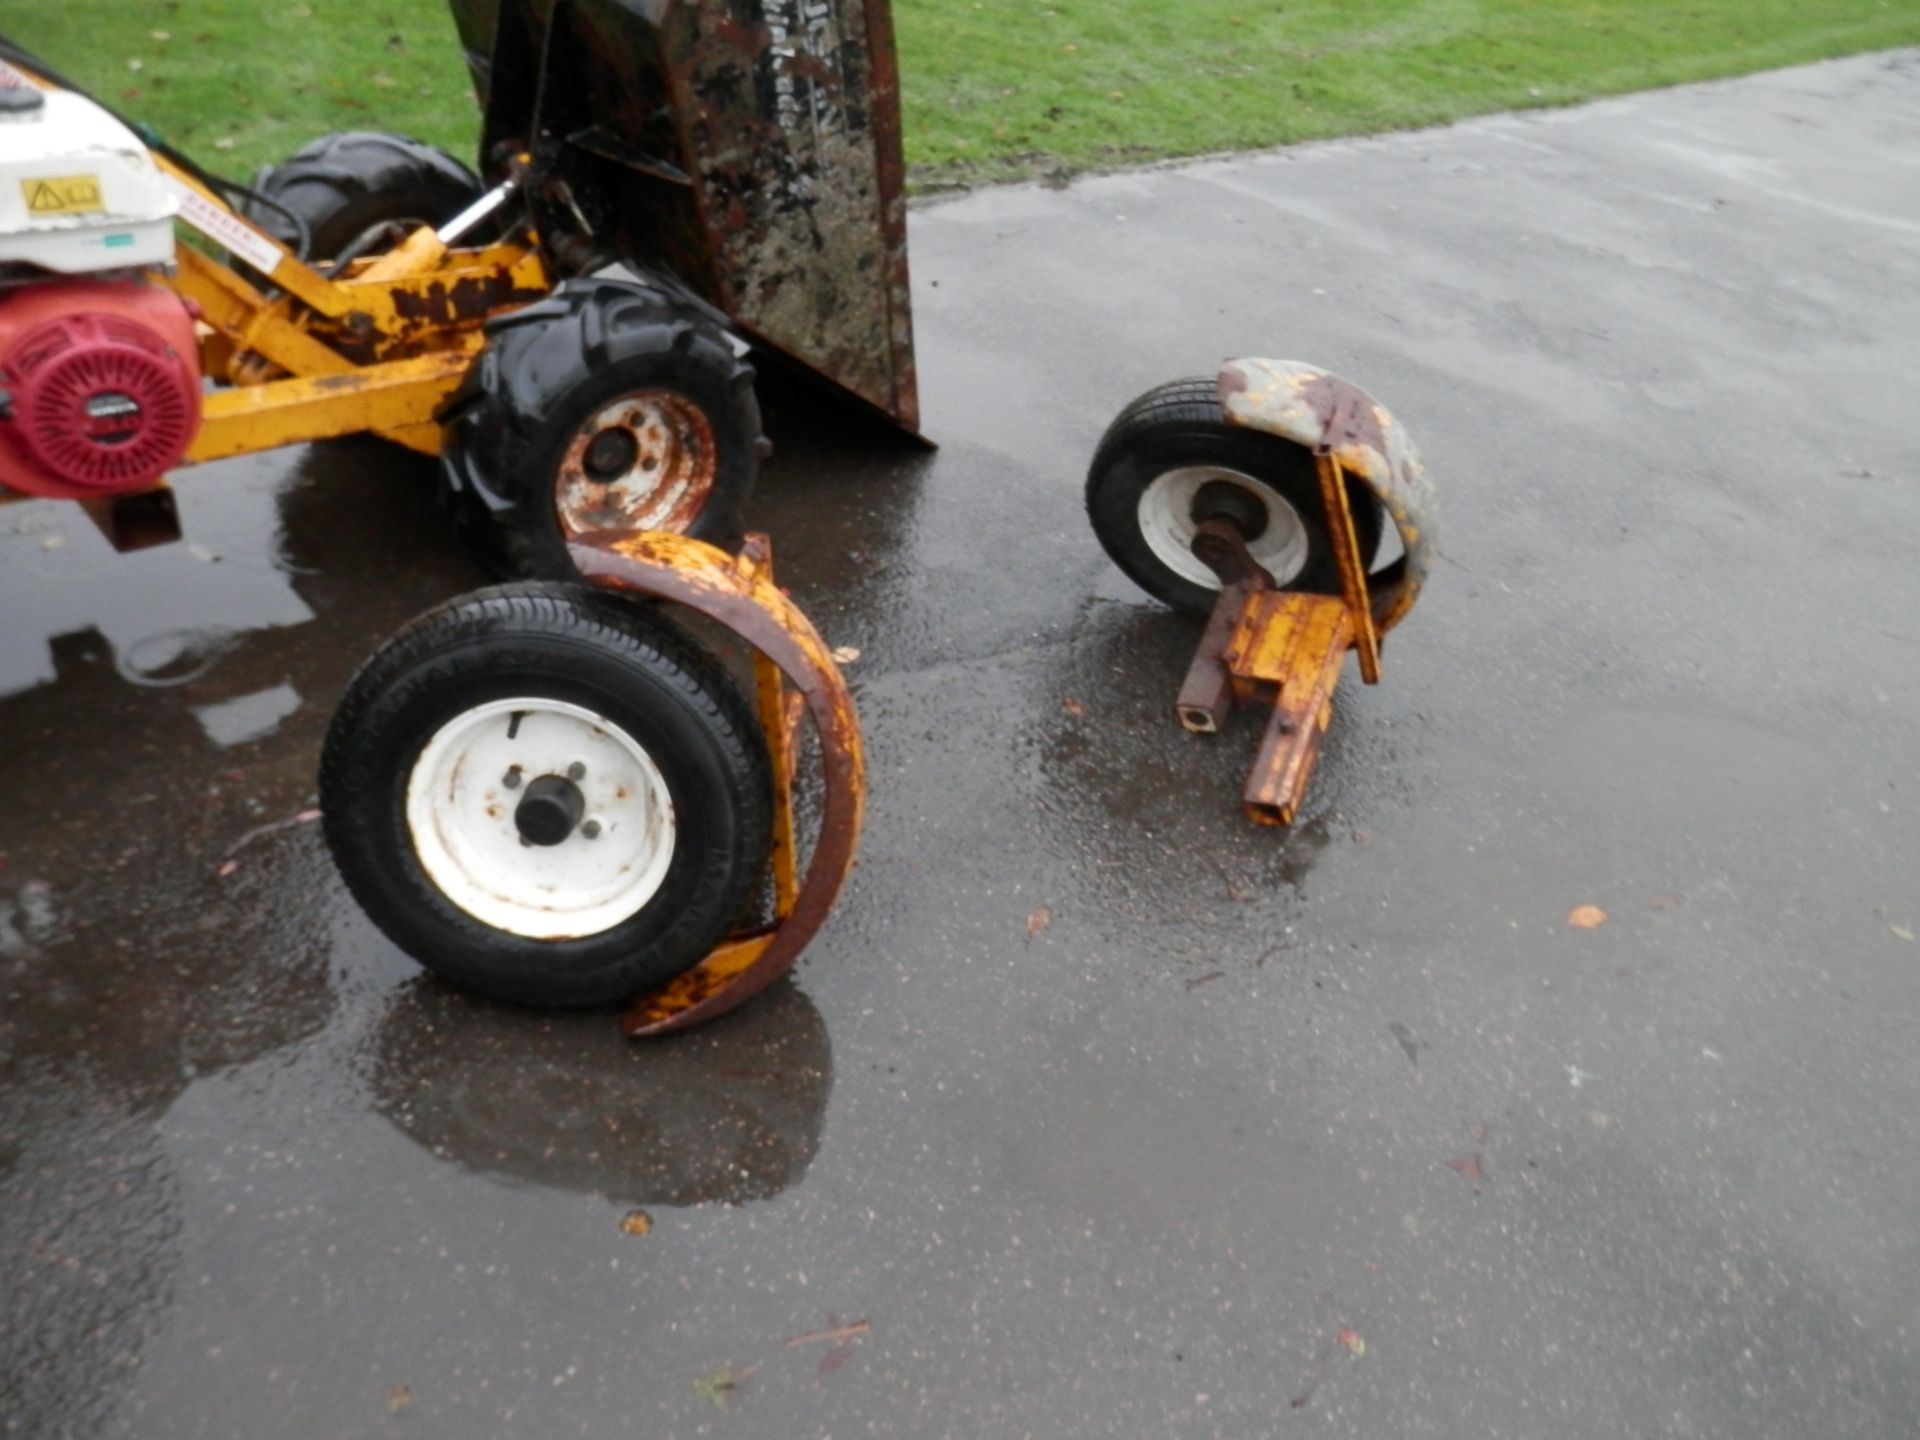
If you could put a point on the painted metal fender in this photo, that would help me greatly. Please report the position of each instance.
(1317, 409)
(738, 593)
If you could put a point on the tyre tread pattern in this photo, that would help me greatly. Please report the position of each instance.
(504, 626)
(1160, 424)
(331, 176)
(501, 441)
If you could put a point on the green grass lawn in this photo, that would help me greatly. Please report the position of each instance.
(994, 88)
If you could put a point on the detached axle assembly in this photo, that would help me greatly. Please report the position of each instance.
(1259, 499)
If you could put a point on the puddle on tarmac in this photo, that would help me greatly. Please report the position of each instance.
(729, 1113)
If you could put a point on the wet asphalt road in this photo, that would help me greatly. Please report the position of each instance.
(1241, 1105)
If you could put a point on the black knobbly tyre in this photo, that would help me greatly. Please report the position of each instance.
(547, 795)
(361, 192)
(1172, 444)
(606, 408)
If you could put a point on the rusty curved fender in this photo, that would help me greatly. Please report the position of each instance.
(1315, 408)
(739, 594)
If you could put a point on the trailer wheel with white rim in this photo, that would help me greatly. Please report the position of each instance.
(548, 795)
(1172, 459)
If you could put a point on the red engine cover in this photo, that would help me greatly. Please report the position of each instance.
(99, 386)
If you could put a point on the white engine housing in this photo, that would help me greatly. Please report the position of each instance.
(79, 193)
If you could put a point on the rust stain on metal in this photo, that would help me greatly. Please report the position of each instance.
(799, 181)
(1296, 644)
(665, 460)
(739, 594)
(1322, 412)
(1279, 648)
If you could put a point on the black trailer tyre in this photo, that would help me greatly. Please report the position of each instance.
(607, 408)
(361, 192)
(547, 795)
(1174, 443)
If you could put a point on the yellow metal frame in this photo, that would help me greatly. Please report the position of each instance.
(1285, 649)
(375, 348)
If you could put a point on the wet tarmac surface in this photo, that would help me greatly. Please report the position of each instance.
(1108, 1112)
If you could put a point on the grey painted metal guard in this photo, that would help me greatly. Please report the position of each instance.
(1317, 409)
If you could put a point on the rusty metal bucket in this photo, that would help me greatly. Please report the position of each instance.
(751, 147)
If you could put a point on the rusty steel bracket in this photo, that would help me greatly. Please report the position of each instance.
(1263, 645)
(1284, 649)
(738, 594)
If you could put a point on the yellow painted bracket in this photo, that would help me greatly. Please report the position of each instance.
(738, 593)
(1281, 648)
(396, 398)
(374, 347)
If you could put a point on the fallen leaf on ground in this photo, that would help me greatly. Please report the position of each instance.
(1073, 707)
(1039, 920)
(227, 869)
(1586, 917)
(1903, 932)
(845, 654)
(398, 1398)
(1474, 1166)
(306, 817)
(53, 542)
(637, 1222)
(719, 1388)
(1351, 1339)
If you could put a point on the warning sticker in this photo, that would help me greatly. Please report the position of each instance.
(63, 195)
(226, 229)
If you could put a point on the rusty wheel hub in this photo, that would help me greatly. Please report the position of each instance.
(643, 462)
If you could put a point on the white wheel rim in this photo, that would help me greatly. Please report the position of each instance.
(1165, 516)
(673, 461)
(465, 790)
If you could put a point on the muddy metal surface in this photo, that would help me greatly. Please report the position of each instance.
(1110, 1113)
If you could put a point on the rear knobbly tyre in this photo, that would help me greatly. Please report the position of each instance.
(485, 869)
(650, 378)
(362, 189)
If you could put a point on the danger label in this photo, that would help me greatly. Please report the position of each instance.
(63, 195)
(226, 229)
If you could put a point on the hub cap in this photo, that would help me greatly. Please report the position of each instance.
(644, 462)
(1167, 525)
(540, 818)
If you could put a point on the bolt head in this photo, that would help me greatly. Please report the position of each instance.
(591, 829)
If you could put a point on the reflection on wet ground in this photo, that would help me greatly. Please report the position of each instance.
(131, 964)
(726, 1114)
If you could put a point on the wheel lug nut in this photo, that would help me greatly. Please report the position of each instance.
(576, 772)
(511, 779)
(591, 829)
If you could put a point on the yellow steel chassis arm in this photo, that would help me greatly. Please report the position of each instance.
(376, 347)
